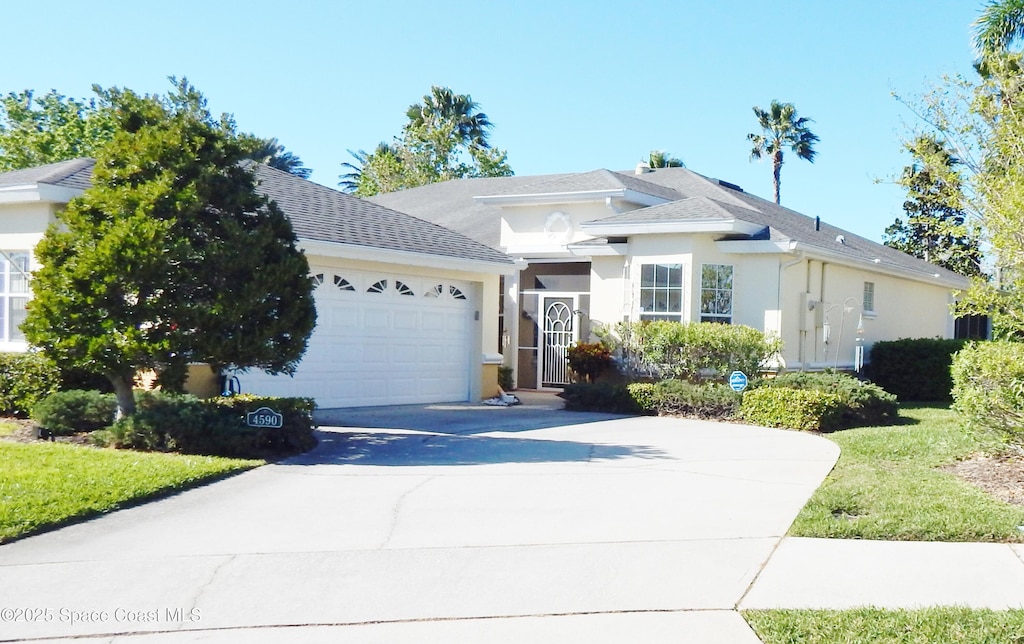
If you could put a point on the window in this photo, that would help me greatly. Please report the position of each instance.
(869, 297)
(403, 288)
(317, 279)
(661, 291)
(716, 293)
(343, 284)
(378, 287)
(14, 291)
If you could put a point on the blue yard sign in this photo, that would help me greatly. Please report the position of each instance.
(738, 380)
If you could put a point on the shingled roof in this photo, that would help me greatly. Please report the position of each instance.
(690, 196)
(317, 213)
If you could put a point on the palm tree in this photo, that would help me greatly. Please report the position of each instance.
(781, 127)
(272, 153)
(662, 159)
(358, 180)
(442, 105)
(1001, 22)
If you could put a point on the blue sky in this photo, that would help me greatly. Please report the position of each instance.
(570, 86)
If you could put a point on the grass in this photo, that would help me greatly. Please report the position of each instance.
(922, 626)
(44, 485)
(886, 486)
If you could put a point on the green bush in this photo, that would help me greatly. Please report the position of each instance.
(25, 379)
(642, 395)
(707, 400)
(505, 380)
(914, 369)
(863, 403)
(215, 427)
(988, 388)
(805, 409)
(691, 351)
(605, 397)
(588, 359)
(77, 410)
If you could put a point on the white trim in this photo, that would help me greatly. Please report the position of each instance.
(533, 199)
(598, 250)
(882, 267)
(41, 192)
(407, 258)
(624, 229)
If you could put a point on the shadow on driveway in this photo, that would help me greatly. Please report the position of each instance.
(412, 449)
(538, 411)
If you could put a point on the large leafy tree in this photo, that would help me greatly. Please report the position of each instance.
(446, 137)
(50, 128)
(781, 128)
(936, 228)
(172, 256)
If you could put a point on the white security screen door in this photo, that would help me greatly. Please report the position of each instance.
(559, 334)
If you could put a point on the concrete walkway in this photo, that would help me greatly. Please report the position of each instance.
(466, 523)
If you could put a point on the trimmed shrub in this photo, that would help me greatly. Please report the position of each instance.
(25, 379)
(863, 403)
(988, 388)
(914, 369)
(77, 410)
(588, 359)
(505, 380)
(605, 397)
(691, 351)
(216, 427)
(642, 394)
(804, 409)
(708, 400)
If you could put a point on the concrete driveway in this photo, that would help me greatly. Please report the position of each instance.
(439, 524)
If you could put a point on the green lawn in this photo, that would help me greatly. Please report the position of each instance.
(923, 626)
(43, 485)
(886, 486)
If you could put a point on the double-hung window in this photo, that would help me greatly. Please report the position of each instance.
(14, 293)
(716, 293)
(661, 292)
(869, 297)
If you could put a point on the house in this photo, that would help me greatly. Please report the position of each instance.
(407, 311)
(604, 247)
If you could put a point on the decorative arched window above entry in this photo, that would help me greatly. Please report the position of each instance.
(378, 287)
(403, 288)
(435, 292)
(343, 284)
(317, 279)
(456, 293)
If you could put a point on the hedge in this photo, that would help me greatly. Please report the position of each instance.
(988, 388)
(76, 410)
(805, 409)
(914, 369)
(863, 403)
(25, 379)
(707, 400)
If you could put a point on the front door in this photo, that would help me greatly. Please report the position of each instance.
(558, 334)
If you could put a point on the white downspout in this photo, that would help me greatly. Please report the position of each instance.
(800, 257)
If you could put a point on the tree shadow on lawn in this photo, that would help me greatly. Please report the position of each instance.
(423, 449)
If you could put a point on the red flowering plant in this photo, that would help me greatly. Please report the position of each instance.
(588, 359)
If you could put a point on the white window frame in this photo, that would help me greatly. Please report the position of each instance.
(718, 316)
(15, 284)
(868, 299)
(665, 287)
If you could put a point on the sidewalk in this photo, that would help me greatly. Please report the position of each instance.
(839, 573)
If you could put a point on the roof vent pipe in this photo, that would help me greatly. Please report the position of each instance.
(642, 168)
(817, 223)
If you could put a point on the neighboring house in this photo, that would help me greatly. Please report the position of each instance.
(604, 247)
(406, 309)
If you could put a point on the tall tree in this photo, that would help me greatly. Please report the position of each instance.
(443, 107)
(445, 138)
(53, 127)
(781, 127)
(172, 256)
(663, 159)
(936, 227)
(272, 153)
(1001, 23)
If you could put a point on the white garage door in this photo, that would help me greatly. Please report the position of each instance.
(382, 339)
